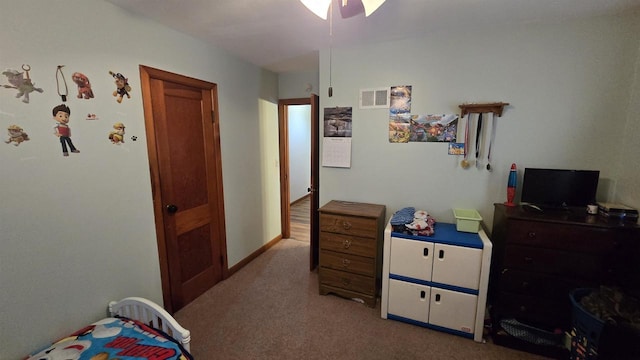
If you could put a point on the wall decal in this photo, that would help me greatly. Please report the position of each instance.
(16, 135)
(117, 136)
(122, 86)
(61, 114)
(21, 82)
(84, 86)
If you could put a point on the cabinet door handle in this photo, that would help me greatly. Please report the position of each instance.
(441, 254)
(425, 252)
(346, 243)
(346, 263)
(423, 294)
(532, 234)
(528, 259)
(346, 225)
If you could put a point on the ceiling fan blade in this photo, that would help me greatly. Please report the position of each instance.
(349, 8)
(371, 5)
(318, 7)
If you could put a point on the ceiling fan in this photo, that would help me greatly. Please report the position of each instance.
(348, 8)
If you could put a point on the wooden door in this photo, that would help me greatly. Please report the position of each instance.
(314, 219)
(181, 122)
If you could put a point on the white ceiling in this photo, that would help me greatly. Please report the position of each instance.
(283, 36)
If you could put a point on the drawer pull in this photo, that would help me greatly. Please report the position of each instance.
(346, 282)
(532, 234)
(346, 243)
(346, 225)
(525, 285)
(523, 308)
(528, 259)
(346, 263)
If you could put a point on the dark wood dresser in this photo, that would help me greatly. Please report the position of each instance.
(351, 249)
(540, 257)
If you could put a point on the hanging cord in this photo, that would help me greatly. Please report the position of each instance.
(66, 89)
(330, 45)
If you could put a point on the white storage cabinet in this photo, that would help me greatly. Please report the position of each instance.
(439, 281)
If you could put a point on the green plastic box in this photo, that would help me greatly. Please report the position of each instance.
(467, 220)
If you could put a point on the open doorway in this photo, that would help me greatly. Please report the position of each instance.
(299, 131)
(299, 167)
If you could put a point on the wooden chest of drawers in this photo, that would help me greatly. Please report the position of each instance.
(351, 249)
(539, 259)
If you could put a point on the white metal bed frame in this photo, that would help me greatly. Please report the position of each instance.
(152, 314)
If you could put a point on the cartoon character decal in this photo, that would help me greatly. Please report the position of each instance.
(122, 86)
(84, 86)
(63, 350)
(117, 136)
(18, 81)
(16, 135)
(61, 114)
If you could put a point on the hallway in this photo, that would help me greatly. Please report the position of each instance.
(300, 212)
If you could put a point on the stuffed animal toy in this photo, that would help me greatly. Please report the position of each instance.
(21, 83)
(84, 86)
(122, 86)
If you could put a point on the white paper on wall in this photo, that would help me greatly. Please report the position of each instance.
(336, 152)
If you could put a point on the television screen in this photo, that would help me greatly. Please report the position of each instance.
(559, 188)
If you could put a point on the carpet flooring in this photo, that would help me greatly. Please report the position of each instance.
(271, 309)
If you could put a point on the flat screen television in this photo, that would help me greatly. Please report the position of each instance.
(559, 188)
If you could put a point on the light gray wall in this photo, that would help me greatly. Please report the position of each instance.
(573, 90)
(297, 84)
(79, 231)
(299, 150)
(628, 181)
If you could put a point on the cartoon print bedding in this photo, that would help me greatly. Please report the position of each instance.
(115, 338)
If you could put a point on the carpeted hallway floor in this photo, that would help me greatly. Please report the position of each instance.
(271, 309)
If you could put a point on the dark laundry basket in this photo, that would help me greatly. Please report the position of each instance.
(593, 338)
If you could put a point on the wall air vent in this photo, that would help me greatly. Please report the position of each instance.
(374, 98)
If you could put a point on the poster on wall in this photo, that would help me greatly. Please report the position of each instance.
(400, 114)
(336, 143)
(399, 128)
(433, 128)
(400, 100)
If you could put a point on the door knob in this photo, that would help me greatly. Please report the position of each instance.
(172, 208)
